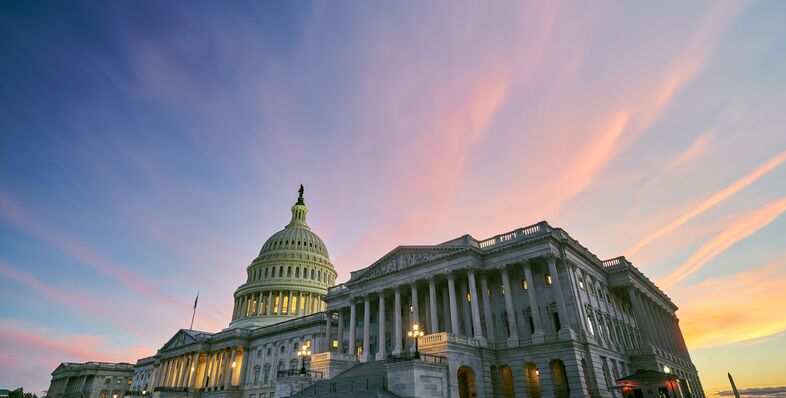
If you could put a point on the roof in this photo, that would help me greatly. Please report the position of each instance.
(648, 375)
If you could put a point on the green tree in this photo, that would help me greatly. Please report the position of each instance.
(20, 393)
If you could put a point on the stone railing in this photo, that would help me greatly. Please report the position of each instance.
(444, 337)
(324, 356)
(550, 338)
(513, 235)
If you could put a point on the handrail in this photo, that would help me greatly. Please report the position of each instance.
(314, 374)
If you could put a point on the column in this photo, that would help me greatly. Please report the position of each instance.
(340, 330)
(231, 370)
(415, 302)
(533, 304)
(638, 311)
(397, 316)
(484, 292)
(270, 303)
(328, 327)
(513, 336)
(352, 326)
(195, 365)
(571, 271)
(473, 294)
(432, 302)
(289, 304)
(381, 321)
(280, 301)
(454, 321)
(205, 374)
(301, 304)
(366, 329)
(234, 311)
(465, 311)
(562, 312)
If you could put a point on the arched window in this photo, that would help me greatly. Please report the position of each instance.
(312, 274)
(289, 271)
(281, 271)
(265, 272)
(297, 272)
(319, 275)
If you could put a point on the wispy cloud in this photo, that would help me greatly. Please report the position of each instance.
(82, 251)
(744, 226)
(746, 317)
(712, 201)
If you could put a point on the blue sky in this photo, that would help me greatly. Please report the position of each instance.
(147, 150)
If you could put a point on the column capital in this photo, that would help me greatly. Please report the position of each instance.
(471, 269)
(550, 256)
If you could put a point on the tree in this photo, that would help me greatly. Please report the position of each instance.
(20, 393)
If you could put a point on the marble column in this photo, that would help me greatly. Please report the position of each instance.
(532, 295)
(328, 327)
(230, 369)
(454, 320)
(484, 292)
(381, 322)
(270, 302)
(340, 347)
(366, 329)
(513, 335)
(280, 302)
(466, 318)
(639, 313)
(432, 301)
(415, 305)
(562, 311)
(397, 315)
(473, 294)
(352, 349)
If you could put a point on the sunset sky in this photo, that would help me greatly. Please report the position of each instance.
(147, 151)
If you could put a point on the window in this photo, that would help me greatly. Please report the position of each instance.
(335, 343)
(312, 274)
(108, 380)
(524, 284)
(469, 300)
(269, 350)
(589, 325)
(283, 348)
(548, 278)
(308, 343)
(297, 272)
(285, 306)
(502, 289)
(294, 347)
(590, 289)
(259, 353)
(289, 272)
(265, 272)
(581, 283)
(267, 374)
(557, 325)
(294, 304)
(256, 375)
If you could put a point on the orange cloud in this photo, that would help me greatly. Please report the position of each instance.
(710, 202)
(747, 311)
(743, 227)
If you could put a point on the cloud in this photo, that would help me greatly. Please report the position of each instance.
(82, 252)
(756, 392)
(744, 226)
(712, 201)
(746, 313)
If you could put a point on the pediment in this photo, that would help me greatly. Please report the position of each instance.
(401, 258)
(180, 339)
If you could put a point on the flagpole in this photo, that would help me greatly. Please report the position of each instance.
(194, 313)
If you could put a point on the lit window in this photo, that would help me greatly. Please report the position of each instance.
(581, 282)
(469, 299)
(502, 289)
(308, 343)
(548, 279)
(589, 325)
(524, 284)
(335, 343)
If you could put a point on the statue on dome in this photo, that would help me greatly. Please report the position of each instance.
(300, 196)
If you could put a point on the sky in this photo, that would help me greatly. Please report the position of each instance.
(148, 149)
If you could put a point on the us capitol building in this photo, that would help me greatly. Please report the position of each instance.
(528, 313)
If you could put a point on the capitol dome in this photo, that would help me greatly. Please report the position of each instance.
(288, 279)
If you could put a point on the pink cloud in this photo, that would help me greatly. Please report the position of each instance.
(712, 201)
(746, 225)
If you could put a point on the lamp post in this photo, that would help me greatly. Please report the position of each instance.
(302, 354)
(415, 333)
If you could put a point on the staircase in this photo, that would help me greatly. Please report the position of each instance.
(367, 379)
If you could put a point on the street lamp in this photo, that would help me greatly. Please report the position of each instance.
(302, 353)
(415, 333)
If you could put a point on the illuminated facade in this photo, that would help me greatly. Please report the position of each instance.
(530, 313)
